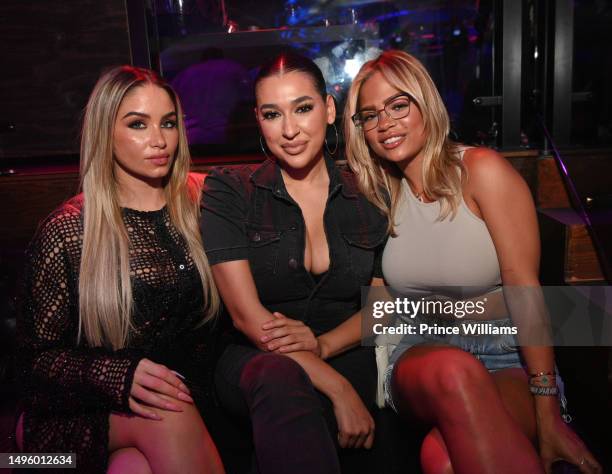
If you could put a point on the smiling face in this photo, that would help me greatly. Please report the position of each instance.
(145, 135)
(293, 118)
(397, 140)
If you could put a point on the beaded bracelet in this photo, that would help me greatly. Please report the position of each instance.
(545, 391)
(543, 378)
(539, 374)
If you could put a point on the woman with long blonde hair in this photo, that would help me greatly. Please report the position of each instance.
(463, 224)
(114, 345)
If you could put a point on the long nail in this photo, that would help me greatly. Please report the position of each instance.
(185, 397)
(180, 376)
(154, 416)
(172, 406)
(184, 388)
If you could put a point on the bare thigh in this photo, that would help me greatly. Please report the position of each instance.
(178, 443)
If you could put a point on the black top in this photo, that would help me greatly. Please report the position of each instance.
(248, 214)
(70, 389)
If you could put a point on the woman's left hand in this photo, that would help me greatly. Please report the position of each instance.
(559, 442)
(283, 335)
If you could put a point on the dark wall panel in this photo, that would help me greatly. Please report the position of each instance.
(52, 53)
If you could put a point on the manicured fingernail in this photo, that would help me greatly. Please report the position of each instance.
(185, 397)
(264, 338)
(173, 407)
(184, 388)
(154, 416)
(180, 376)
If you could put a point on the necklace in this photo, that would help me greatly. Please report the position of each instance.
(420, 196)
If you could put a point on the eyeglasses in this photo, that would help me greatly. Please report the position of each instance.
(397, 107)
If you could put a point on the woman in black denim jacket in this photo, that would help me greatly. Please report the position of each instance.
(291, 242)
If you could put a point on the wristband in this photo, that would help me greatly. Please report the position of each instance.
(543, 391)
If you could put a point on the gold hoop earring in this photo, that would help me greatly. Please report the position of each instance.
(263, 147)
(337, 141)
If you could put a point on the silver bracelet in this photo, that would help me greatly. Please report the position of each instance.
(546, 391)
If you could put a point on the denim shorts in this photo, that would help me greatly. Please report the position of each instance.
(494, 351)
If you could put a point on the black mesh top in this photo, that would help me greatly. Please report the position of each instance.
(70, 389)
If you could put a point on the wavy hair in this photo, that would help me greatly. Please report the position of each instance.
(380, 180)
(105, 292)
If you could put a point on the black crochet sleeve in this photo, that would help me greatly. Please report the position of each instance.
(59, 373)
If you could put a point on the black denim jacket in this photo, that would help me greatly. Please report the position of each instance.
(248, 214)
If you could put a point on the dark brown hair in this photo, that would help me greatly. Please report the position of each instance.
(290, 61)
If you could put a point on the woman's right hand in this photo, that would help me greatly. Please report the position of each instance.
(154, 386)
(355, 424)
(557, 441)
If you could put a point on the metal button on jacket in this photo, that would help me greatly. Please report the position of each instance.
(240, 205)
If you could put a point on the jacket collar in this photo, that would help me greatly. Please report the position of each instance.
(268, 176)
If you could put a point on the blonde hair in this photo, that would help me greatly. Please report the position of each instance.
(105, 292)
(380, 180)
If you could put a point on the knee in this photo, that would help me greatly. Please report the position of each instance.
(434, 455)
(447, 372)
(271, 374)
(128, 460)
(179, 442)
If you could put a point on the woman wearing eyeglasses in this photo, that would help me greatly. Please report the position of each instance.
(291, 242)
(459, 217)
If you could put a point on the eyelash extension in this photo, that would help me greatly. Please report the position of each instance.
(302, 109)
(172, 123)
(305, 108)
(270, 115)
(137, 124)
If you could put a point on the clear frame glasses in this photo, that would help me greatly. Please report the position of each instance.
(396, 107)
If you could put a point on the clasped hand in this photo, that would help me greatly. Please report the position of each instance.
(283, 335)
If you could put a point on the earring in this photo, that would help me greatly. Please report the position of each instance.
(263, 147)
(337, 141)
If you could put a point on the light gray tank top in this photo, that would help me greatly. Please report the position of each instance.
(428, 255)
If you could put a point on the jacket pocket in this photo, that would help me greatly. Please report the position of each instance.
(362, 248)
(264, 245)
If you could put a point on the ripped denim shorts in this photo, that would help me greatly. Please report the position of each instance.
(494, 351)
